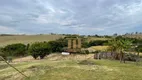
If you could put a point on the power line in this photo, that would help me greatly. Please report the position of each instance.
(13, 67)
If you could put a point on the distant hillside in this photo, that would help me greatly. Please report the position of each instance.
(138, 36)
(4, 40)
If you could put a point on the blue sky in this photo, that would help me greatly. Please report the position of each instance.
(70, 16)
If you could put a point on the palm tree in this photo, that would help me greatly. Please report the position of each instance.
(118, 48)
(138, 49)
(124, 46)
(113, 48)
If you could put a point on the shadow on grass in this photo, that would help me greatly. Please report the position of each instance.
(86, 62)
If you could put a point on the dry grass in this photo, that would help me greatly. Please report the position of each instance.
(100, 48)
(24, 59)
(4, 40)
(58, 56)
(72, 67)
(96, 38)
(138, 36)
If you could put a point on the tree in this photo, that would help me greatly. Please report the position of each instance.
(13, 50)
(97, 42)
(113, 48)
(18, 49)
(85, 44)
(58, 45)
(124, 45)
(138, 49)
(119, 46)
(39, 49)
(2, 54)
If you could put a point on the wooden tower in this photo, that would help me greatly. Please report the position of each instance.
(74, 45)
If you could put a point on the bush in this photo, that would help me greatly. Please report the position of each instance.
(139, 48)
(14, 50)
(39, 49)
(2, 55)
(84, 52)
(130, 57)
(85, 44)
(58, 45)
(97, 43)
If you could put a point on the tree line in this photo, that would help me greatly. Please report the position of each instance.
(36, 49)
(117, 46)
(120, 46)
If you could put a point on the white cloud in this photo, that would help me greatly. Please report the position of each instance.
(4, 29)
(73, 16)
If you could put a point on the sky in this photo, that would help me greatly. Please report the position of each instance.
(86, 17)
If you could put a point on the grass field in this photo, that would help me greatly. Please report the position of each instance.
(4, 40)
(100, 48)
(73, 67)
(96, 38)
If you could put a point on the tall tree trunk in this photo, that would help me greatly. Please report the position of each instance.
(106, 55)
(123, 56)
(110, 55)
(120, 57)
(137, 59)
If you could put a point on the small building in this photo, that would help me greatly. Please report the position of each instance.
(74, 44)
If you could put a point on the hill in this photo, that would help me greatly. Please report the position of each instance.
(10, 39)
(137, 36)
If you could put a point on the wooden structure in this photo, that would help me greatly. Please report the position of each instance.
(74, 45)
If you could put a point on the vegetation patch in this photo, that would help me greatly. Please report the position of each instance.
(87, 62)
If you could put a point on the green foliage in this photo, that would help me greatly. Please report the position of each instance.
(72, 36)
(134, 40)
(86, 44)
(2, 54)
(139, 48)
(97, 51)
(119, 44)
(97, 42)
(58, 45)
(130, 57)
(39, 49)
(14, 50)
(84, 52)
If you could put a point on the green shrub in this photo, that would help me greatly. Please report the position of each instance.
(58, 45)
(130, 57)
(85, 44)
(39, 49)
(84, 52)
(97, 42)
(2, 55)
(14, 50)
(139, 48)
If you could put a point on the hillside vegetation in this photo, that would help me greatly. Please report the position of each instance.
(137, 36)
(97, 38)
(5, 40)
